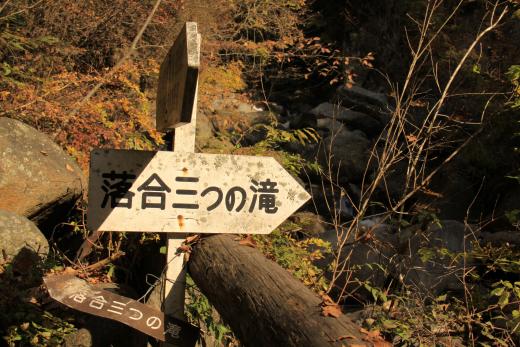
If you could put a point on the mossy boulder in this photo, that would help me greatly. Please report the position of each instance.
(37, 179)
(17, 233)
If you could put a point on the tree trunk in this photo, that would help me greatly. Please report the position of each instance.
(262, 302)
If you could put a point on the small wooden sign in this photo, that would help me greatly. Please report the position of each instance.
(178, 80)
(179, 192)
(77, 294)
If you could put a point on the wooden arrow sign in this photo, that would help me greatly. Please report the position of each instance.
(180, 192)
(77, 294)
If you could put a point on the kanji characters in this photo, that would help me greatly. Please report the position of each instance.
(116, 186)
(118, 307)
(267, 198)
(78, 297)
(191, 206)
(235, 198)
(98, 302)
(103, 303)
(152, 190)
(173, 330)
(154, 194)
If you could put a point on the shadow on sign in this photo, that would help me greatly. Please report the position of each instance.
(111, 182)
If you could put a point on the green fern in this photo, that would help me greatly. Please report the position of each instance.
(514, 76)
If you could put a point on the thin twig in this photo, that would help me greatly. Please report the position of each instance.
(103, 262)
(121, 61)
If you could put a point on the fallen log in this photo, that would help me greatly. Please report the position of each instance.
(262, 302)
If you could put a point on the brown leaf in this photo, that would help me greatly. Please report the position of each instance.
(184, 248)
(431, 193)
(344, 337)
(418, 103)
(248, 241)
(68, 271)
(191, 239)
(370, 334)
(327, 300)
(69, 168)
(411, 138)
(331, 311)
(374, 337)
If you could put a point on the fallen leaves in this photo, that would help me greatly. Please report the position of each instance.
(329, 308)
(184, 249)
(375, 338)
(248, 241)
(191, 239)
(331, 311)
(411, 138)
(343, 337)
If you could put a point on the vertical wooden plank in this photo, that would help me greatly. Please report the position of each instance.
(177, 80)
(184, 141)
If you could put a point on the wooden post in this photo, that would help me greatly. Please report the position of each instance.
(184, 141)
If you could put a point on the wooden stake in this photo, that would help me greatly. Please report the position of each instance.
(184, 141)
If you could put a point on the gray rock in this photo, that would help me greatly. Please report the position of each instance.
(17, 233)
(352, 119)
(367, 250)
(301, 120)
(457, 189)
(332, 125)
(204, 130)
(262, 117)
(433, 261)
(395, 179)
(348, 152)
(37, 179)
(359, 94)
(232, 104)
(248, 108)
(310, 223)
(273, 107)
(325, 198)
(80, 338)
(218, 146)
(235, 122)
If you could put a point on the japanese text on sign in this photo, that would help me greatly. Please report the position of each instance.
(180, 191)
(76, 293)
(98, 302)
(154, 191)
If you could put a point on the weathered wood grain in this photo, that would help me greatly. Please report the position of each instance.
(262, 302)
(178, 80)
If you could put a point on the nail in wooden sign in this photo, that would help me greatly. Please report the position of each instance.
(180, 191)
(77, 294)
(178, 80)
